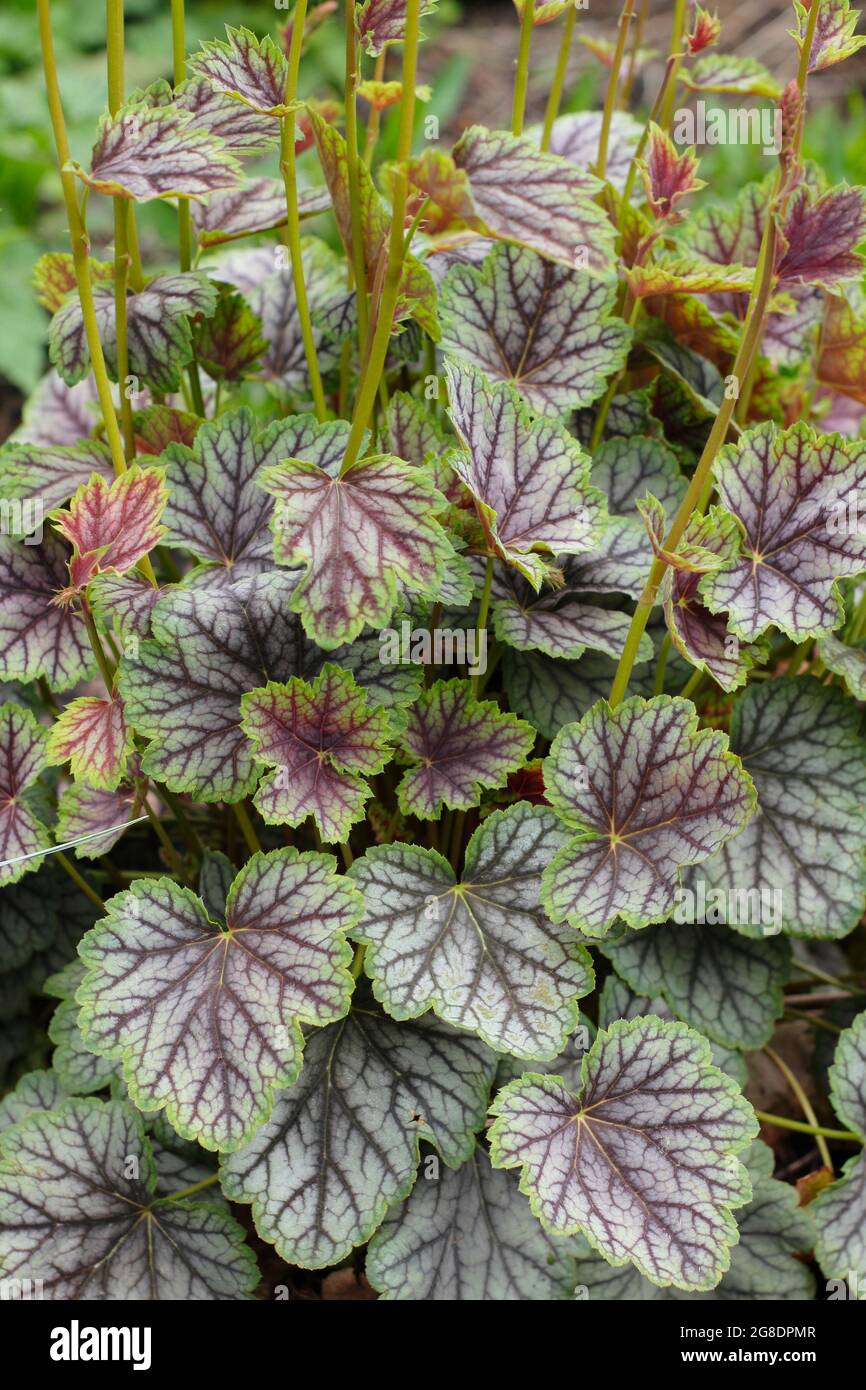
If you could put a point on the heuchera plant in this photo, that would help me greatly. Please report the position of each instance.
(431, 752)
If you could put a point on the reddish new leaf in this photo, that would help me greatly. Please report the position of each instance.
(111, 526)
(356, 535)
(820, 238)
(253, 71)
(381, 22)
(144, 153)
(323, 739)
(668, 175)
(92, 736)
(459, 746)
(834, 32)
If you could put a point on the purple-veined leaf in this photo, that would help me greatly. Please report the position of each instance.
(93, 737)
(768, 1263)
(413, 433)
(381, 22)
(545, 329)
(802, 855)
(561, 621)
(840, 1210)
(688, 275)
(22, 758)
(207, 1020)
(834, 39)
(36, 1090)
(93, 812)
(343, 1143)
(538, 200)
(183, 688)
(356, 535)
(552, 691)
(28, 921)
(530, 476)
(38, 638)
(646, 793)
(158, 330)
(229, 345)
(323, 739)
(242, 131)
(417, 293)
(251, 70)
(458, 745)
(215, 507)
(790, 490)
(80, 1071)
(468, 1237)
(143, 153)
(847, 662)
(111, 526)
(626, 469)
(617, 1001)
(73, 1218)
(257, 205)
(331, 310)
(733, 235)
(731, 73)
(641, 1161)
(575, 138)
(821, 234)
(50, 473)
(703, 637)
(124, 603)
(57, 414)
(479, 952)
(726, 987)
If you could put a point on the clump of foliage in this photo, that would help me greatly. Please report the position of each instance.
(434, 675)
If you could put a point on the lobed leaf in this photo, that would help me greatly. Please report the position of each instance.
(356, 535)
(71, 1216)
(206, 1019)
(467, 1237)
(803, 851)
(324, 740)
(535, 199)
(142, 154)
(459, 745)
(343, 1143)
(530, 476)
(546, 330)
(645, 793)
(642, 1161)
(478, 951)
(790, 490)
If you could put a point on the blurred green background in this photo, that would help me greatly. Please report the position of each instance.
(468, 61)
